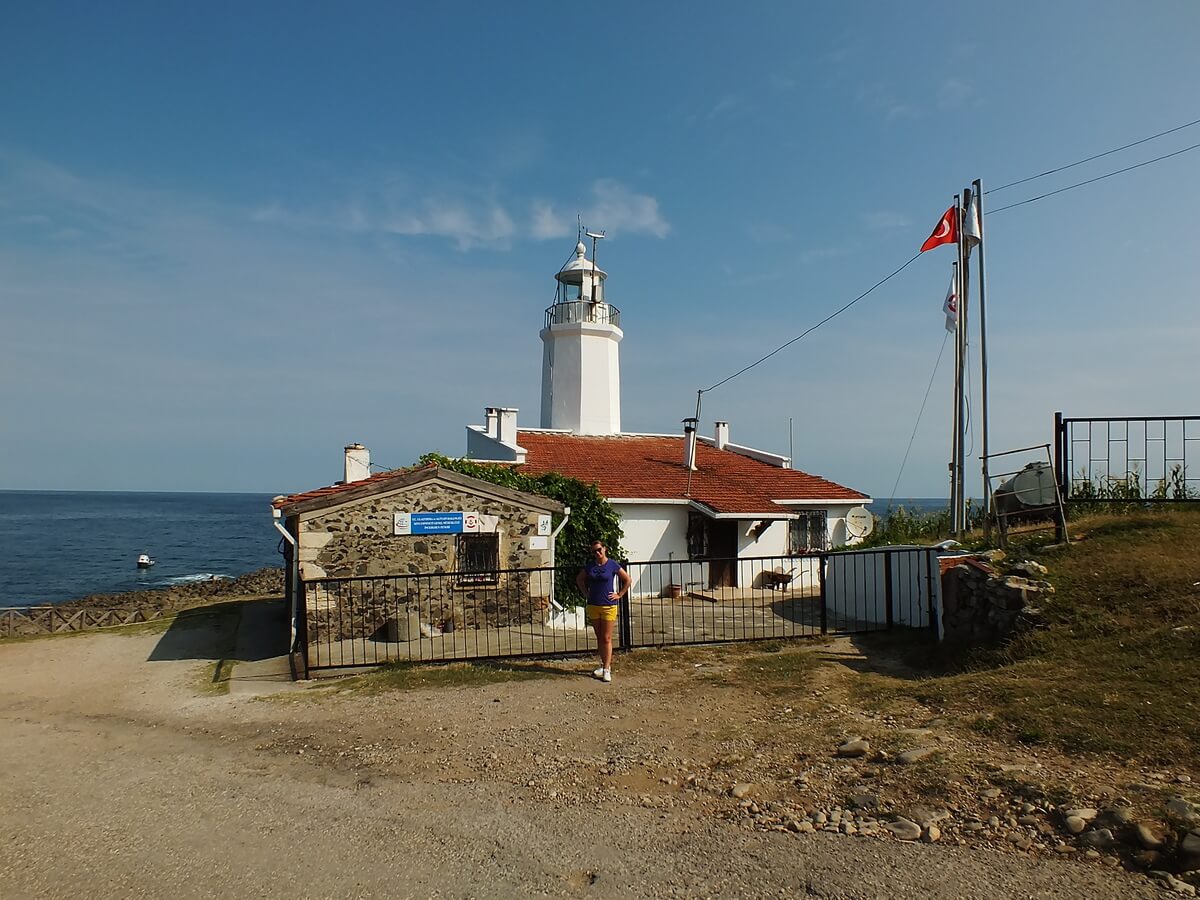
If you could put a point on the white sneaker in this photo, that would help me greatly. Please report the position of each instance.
(599, 673)
(606, 675)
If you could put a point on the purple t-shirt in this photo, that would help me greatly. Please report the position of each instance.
(601, 581)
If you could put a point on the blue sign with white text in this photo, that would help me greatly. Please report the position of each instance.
(436, 522)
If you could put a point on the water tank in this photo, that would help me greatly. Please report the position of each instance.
(1031, 488)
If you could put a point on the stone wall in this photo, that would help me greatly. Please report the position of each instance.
(981, 605)
(356, 540)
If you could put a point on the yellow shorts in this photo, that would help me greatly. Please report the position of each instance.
(602, 613)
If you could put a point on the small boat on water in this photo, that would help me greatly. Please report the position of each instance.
(144, 561)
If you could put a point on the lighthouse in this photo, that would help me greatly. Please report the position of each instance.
(581, 367)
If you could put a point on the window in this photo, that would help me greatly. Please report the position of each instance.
(479, 558)
(808, 532)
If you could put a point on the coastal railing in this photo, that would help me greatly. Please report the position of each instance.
(33, 620)
(1131, 459)
(442, 616)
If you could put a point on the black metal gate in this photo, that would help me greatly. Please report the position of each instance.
(350, 622)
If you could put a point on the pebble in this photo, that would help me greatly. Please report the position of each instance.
(1075, 825)
(1147, 838)
(908, 757)
(1190, 845)
(994, 822)
(931, 834)
(1084, 812)
(854, 749)
(991, 793)
(741, 790)
(1028, 820)
(1100, 838)
(904, 829)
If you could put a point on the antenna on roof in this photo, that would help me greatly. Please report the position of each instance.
(596, 237)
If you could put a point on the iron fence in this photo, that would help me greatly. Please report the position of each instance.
(366, 621)
(1131, 459)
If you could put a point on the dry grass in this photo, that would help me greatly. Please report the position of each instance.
(1114, 672)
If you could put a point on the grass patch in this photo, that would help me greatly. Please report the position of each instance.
(407, 676)
(217, 678)
(1115, 670)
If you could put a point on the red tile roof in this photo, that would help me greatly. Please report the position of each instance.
(340, 487)
(645, 467)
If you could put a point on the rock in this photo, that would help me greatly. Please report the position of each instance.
(993, 822)
(854, 749)
(1174, 884)
(908, 757)
(931, 834)
(1117, 815)
(1147, 838)
(1190, 845)
(904, 829)
(804, 828)
(1183, 779)
(991, 793)
(1085, 813)
(1075, 825)
(1147, 859)
(864, 801)
(848, 828)
(1098, 839)
(924, 816)
(744, 789)
(1031, 568)
(1178, 806)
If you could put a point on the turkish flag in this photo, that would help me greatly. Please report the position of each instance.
(945, 233)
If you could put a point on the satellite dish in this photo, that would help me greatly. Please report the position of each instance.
(859, 522)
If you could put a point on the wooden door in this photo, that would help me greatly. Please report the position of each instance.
(722, 553)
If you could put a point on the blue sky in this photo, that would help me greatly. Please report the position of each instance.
(235, 237)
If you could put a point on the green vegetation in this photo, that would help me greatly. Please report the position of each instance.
(1098, 495)
(905, 526)
(1113, 671)
(592, 517)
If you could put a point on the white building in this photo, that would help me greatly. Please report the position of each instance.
(680, 496)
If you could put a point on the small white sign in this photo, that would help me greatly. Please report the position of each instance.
(543, 525)
(401, 523)
(539, 542)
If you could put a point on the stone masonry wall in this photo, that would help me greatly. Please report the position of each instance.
(357, 540)
(981, 606)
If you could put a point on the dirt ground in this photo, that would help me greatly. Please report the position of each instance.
(126, 773)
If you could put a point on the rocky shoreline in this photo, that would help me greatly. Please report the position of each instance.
(262, 582)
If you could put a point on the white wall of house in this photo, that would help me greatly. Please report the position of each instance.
(653, 532)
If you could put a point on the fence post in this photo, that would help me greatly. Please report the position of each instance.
(930, 556)
(302, 627)
(889, 599)
(821, 560)
(625, 617)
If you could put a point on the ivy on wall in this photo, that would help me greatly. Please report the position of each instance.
(592, 517)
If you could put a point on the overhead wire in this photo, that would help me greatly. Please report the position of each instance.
(1094, 157)
(917, 425)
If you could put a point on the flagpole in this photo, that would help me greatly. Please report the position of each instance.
(954, 437)
(964, 276)
(983, 370)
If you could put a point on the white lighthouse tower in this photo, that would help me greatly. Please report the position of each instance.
(581, 367)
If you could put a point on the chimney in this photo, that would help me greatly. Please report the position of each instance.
(489, 413)
(358, 463)
(721, 435)
(506, 426)
(689, 443)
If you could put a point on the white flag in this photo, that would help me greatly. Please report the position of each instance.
(950, 306)
(972, 230)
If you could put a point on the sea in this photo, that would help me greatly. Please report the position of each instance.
(62, 545)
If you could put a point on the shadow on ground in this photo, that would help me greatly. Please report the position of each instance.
(239, 631)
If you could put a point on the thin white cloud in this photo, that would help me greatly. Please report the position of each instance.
(613, 207)
(458, 221)
(726, 103)
(621, 209)
(954, 92)
(886, 220)
(547, 222)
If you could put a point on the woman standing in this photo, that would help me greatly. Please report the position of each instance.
(604, 583)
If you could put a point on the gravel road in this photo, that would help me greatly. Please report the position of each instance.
(124, 776)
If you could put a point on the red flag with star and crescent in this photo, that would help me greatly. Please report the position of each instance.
(945, 233)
